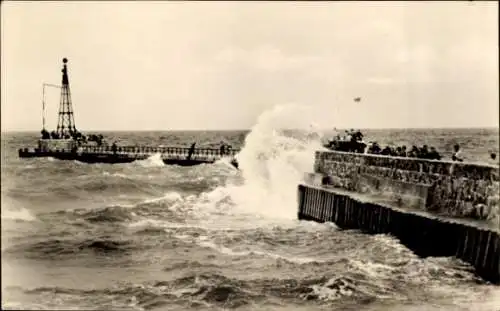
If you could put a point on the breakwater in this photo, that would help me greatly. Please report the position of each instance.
(446, 188)
(68, 150)
(412, 199)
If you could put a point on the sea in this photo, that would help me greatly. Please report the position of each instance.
(146, 236)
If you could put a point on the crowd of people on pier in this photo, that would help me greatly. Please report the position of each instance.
(74, 134)
(423, 152)
(352, 141)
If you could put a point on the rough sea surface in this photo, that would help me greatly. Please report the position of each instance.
(144, 236)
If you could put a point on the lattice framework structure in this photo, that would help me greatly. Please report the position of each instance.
(66, 120)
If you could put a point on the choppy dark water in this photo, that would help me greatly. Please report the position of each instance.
(149, 237)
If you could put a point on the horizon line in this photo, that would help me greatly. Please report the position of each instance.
(249, 129)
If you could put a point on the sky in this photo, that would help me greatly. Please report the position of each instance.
(219, 65)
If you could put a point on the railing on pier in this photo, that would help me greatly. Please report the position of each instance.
(168, 151)
(208, 155)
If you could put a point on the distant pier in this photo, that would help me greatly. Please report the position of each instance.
(125, 154)
(435, 208)
(67, 143)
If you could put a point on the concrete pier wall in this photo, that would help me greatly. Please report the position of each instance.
(424, 233)
(442, 187)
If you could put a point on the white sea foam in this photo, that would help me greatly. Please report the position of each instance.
(154, 223)
(205, 241)
(169, 196)
(17, 214)
(154, 160)
(104, 173)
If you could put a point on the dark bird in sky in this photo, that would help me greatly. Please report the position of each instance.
(357, 99)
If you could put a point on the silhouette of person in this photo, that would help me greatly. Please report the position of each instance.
(404, 153)
(45, 134)
(191, 151)
(222, 148)
(457, 155)
(434, 155)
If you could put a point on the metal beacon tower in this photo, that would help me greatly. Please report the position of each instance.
(66, 121)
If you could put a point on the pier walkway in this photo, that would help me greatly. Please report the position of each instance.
(125, 154)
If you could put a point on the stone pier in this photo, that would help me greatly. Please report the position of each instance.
(435, 208)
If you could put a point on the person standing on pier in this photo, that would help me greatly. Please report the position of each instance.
(45, 134)
(222, 148)
(191, 151)
(457, 155)
(114, 148)
(433, 154)
(225, 149)
(493, 158)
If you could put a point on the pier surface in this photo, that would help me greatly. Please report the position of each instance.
(435, 208)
